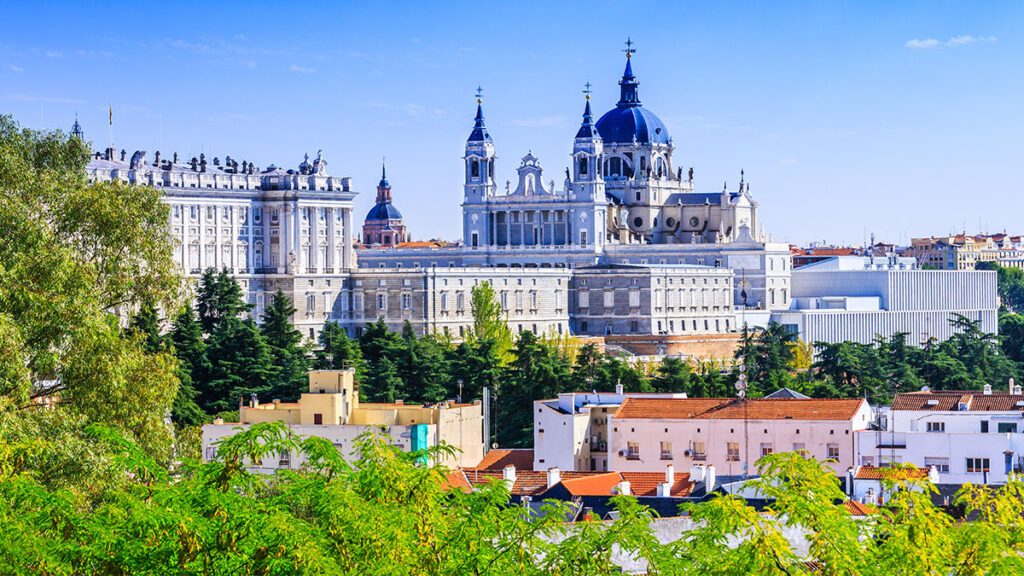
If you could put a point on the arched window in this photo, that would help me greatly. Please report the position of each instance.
(643, 164)
(490, 168)
(583, 166)
(616, 167)
(474, 169)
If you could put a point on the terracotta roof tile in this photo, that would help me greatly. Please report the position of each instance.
(731, 408)
(857, 509)
(879, 473)
(946, 400)
(522, 459)
(456, 480)
(646, 483)
(600, 484)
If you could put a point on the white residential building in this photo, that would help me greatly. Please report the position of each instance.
(732, 434)
(967, 436)
(571, 433)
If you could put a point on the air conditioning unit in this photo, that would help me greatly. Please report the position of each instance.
(622, 452)
(688, 452)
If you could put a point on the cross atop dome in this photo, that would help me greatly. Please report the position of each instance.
(629, 47)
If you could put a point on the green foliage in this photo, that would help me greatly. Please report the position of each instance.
(73, 255)
(490, 321)
(1010, 285)
(289, 356)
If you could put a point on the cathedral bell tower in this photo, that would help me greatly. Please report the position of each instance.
(479, 158)
(587, 152)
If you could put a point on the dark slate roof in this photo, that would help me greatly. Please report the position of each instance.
(696, 198)
(479, 133)
(384, 211)
(786, 393)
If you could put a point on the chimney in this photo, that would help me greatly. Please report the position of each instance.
(157, 159)
(253, 400)
(664, 490)
(1017, 390)
(588, 514)
(400, 402)
(218, 421)
(1011, 385)
(509, 475)
(697, 473)
(670, 474)
(850, 474)
(277, 401)
(618, 388)
(623, 488)
(709, 478)
(987, 390)
(554, 476)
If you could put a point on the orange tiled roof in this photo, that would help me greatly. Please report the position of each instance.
(732, 408)
(423, 244)
(646, 483)
(879, 473)
(950, 399)
(857, 509)
(522, 459)
(456, 480)
(600, 484)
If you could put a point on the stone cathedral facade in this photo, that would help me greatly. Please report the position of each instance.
(625, 246)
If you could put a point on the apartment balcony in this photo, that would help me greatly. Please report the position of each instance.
(598, 446)
(700, 457)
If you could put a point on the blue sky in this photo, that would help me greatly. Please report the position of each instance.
(895, 118)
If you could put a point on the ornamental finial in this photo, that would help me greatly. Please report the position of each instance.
(629, 47)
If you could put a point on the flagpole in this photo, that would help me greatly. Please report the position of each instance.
(110, 130)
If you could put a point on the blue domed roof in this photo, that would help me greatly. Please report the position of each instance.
(384, 211)
(629, 120)
(622, 124)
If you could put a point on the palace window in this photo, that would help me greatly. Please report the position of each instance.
(406, 301)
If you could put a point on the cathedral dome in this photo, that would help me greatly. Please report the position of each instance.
(385, 211)
(623, 124)
(629, 121)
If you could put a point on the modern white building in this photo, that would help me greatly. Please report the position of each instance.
(853, 298)
(967, 436)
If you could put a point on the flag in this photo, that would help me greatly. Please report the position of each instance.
(111, 115)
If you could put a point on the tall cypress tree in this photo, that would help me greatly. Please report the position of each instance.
(291, 363)
(338, 351)
(241, 364)
(219, 298)
(194, 395)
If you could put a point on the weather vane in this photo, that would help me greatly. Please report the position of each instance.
(629, 47)
(587, 90)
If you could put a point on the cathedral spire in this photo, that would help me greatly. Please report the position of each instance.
(479, 133)
(587, 129)
(628, 85)
(76, 130)
(383, 175)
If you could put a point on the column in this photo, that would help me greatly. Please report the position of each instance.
(250, 228)
(314, 239)
(346, 215)
(522, 227)
(300, 260)
(331, 243)
(568, 227)
(284, 237)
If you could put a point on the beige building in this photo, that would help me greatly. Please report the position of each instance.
(963, 252)
(332, 410)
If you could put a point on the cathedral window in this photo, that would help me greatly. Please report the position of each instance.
(616, 167)
(474, 168)
(643, 163)
(583, 166)
(490, 169)
(638, 221)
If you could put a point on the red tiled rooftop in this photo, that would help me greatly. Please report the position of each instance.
(879, 473)
(496, 460)
(456, 480)
(946, 400)
(731, 408)
(857, 509)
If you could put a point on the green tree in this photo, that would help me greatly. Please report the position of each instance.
(338, 351)
(219, 299)
(490, 321)
(290, 358)
(673, 375)
(241, 364)
(74, 254)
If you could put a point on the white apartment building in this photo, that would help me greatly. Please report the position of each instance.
(646, 434)
(967, 436)
(571, 433)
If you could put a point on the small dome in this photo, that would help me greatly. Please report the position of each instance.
(622, 124)
(384, 211)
